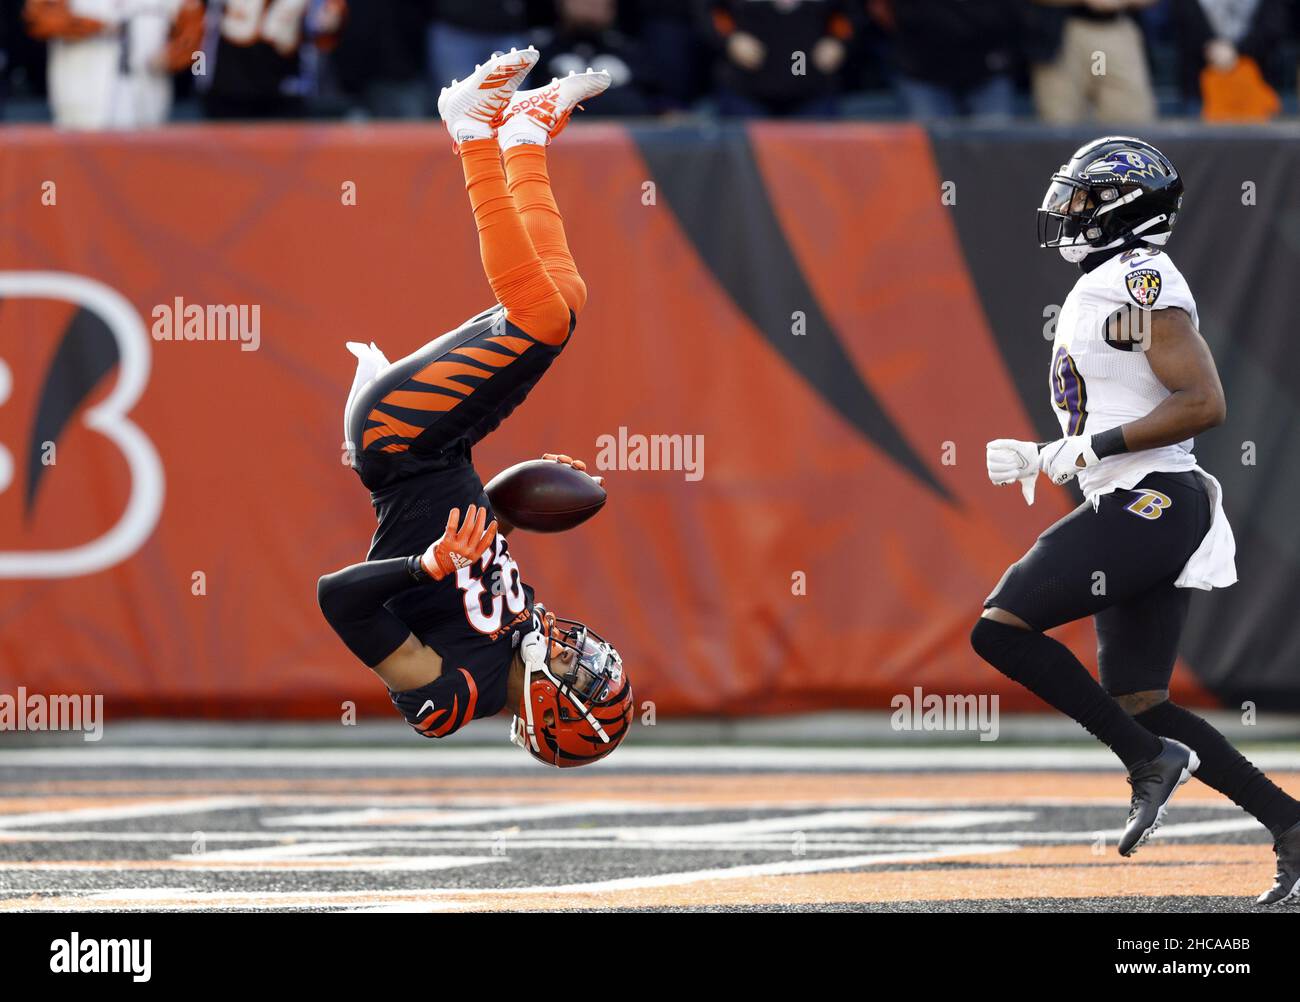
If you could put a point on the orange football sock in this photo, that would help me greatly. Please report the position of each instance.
(530, 185)
(518, 277)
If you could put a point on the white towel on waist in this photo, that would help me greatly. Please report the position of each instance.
(1214, 564)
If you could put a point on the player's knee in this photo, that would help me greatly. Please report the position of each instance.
(544, 317)
(982, 640)
(1134, 703)
(574, 291)
(994, 630)
(329, 595)
(552, 321)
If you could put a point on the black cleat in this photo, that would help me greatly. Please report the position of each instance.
(1153, 784)
(1286, 885)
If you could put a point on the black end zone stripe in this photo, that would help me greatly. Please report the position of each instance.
(86, 354)
(719, 198)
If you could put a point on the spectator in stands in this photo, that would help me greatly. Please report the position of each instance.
(1227, 54)
(954, 60)
(777, 57)
(1090, 59)
(672, 52)
(25, 58)
(114, 70)
(257, 63)
(586, 35)
(465, 32)
(382, 55)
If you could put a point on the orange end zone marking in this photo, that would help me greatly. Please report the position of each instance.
(1067, 872)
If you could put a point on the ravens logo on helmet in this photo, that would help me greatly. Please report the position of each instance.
(1115, 191)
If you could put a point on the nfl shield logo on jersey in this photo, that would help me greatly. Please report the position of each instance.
(1144, 286)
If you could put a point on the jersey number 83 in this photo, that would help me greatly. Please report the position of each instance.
(491, 585)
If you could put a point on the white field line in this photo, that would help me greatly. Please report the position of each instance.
(830, 825)
(499, 814)
(801, 823)
(748, 871)
(332, 852)
(825, 842)
(380, 811)
(452, 898)
(703, 758)
(831, 818)
(147, 808)
(736, 834)
(286, 863)
(775, 842)
(705, 838)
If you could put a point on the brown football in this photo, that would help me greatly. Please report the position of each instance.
(543, 496)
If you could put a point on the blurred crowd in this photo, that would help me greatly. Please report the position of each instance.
(133, 63)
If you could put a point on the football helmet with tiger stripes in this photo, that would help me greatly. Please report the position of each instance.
(576, 706)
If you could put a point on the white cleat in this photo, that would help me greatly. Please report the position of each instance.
(473, 108)
(549, 107)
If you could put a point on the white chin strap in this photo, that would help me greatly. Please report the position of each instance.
(533, 649)
(1076, 252)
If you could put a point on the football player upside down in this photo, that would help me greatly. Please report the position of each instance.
(446, 621)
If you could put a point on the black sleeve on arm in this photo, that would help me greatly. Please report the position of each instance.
(353, 602)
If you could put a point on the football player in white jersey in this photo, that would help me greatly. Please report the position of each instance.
(111, 61)
(1132, 382)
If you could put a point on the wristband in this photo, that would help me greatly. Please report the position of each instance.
(1109, 442)
(415, 568)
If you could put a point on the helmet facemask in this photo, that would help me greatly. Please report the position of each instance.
(1065, 219)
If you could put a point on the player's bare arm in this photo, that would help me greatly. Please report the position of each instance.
(352, 599)
(1181, 360)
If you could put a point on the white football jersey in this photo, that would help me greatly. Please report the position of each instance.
(110, 80)
(1098, 383)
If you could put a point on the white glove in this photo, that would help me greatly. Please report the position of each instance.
(1060, 460)
(1010, 460)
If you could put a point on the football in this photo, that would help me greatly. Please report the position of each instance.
(544, 496)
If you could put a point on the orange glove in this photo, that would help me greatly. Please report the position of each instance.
(54, 19)
(459, 547)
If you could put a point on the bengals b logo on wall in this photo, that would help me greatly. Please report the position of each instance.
(81, 486)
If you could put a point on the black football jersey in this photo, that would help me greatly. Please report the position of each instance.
(412, 429)
(469, 617)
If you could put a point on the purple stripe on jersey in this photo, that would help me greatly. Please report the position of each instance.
(1068, 391)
